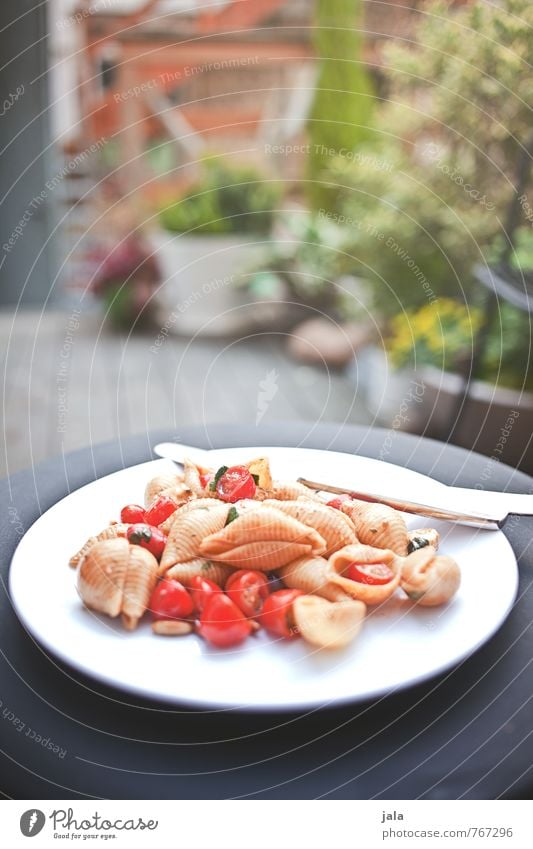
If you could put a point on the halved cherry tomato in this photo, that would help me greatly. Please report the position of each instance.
(161, 509)
(276, 615)
(148, 537)
(235, 483)
(201, 590)
(337, 502)
(170, 600)
(222, 623)
(248, 589)
(375, 574)
(131, 514)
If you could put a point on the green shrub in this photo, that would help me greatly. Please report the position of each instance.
(226, 200)
(431, 199)
(343, 101)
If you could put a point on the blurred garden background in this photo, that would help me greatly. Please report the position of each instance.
(238, 210)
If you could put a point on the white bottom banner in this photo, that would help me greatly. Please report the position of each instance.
(264, 824)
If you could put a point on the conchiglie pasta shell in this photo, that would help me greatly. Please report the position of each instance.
(102, 574)
(264, 556)
(204, 503)
(264, 524)
(192, 474)
(116, 529)
(185, 572)
(331, 524)
(430, 535)
(312, 575)
(159, 484)
(378, 525)
(141, 578)
(180, 494)
(189, 529)
(291, 490)
(166, 526)
(428, 578)
(363, 554)
(261, 468)
(325, 624)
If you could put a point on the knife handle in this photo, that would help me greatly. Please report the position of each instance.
(475, 520)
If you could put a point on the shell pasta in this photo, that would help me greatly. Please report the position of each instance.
(226, 553)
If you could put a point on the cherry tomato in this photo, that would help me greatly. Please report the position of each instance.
(248, 589)
(375, 574)
(170, 600)
(131, 514)
(222, 624)
(337, 502)
(201, 590)
(236, 483)
(148, 537)
(161, 509)
(276, 615)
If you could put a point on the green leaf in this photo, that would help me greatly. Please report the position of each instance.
(218, 475)
(256, 479)
(232, 515)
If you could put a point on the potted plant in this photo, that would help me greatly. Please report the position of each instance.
(126, 278)
(421, 380)
(212, 234)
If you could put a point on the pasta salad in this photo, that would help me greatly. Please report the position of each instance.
(227, 552)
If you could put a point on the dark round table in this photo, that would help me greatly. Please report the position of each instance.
(464, 734)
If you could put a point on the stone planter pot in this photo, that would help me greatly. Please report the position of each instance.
(201, 275)
(494, 421)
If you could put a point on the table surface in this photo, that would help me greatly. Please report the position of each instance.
(461, 735)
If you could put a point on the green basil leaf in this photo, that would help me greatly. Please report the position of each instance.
(232, 515)
(256, 479)
(218, 475)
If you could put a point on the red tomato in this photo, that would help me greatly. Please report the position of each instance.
(148, 537)
(236, 483)
(131, 514)
(337, 502)
(170, 600)
(161, 509)
(206, 479)
(375, 574)
(248, 589)
(276, 615)
(222, 624)
(201, 590)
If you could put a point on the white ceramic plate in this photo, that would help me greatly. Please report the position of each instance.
(398, 646)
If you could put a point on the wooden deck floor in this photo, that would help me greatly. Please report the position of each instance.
(67, 386)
